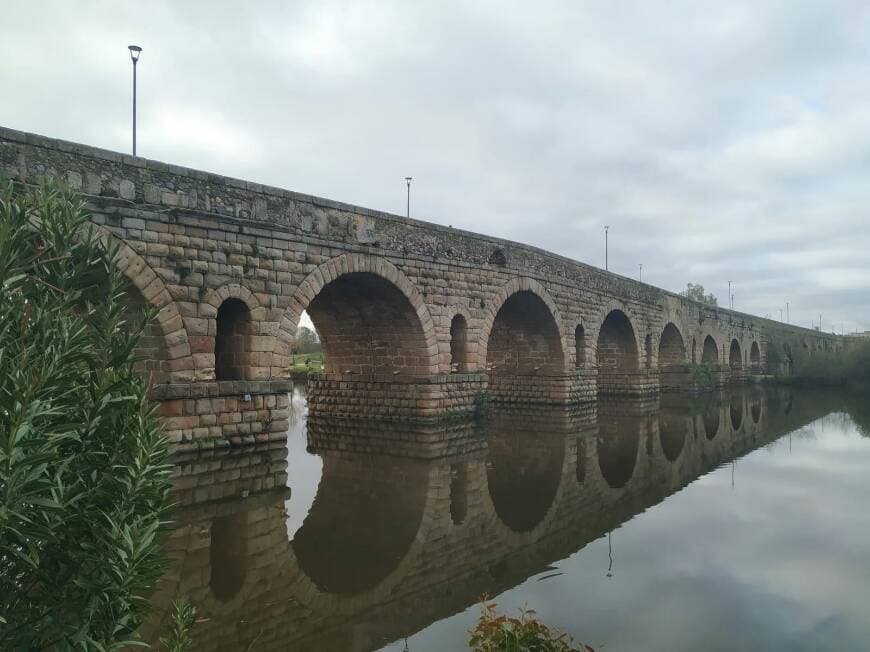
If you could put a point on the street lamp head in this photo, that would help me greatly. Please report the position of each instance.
(135, 50)
(408, 180)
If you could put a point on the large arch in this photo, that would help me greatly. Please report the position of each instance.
(370, 318)
(672, 349)
(522, 333)
(710, 354)
(754, 354)
(616, 348)
(735, 357)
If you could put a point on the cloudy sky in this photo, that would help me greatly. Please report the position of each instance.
(720, 141)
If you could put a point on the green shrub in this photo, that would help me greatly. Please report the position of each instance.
(83, 481)
(500, 633)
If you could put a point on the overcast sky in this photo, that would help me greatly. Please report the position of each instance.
(718, 140)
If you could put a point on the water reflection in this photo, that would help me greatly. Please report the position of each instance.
(402, 527)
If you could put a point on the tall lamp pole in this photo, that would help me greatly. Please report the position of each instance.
(408, 207)
(640, 272)
(135, 51)
(729, 295)
(606, 229)
(787, 318)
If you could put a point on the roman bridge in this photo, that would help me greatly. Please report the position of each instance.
(417, 320)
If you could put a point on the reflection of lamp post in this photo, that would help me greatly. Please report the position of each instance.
(610, 555)
(135, 51)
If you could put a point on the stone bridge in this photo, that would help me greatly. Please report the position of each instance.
(417, 320)
(467, 510)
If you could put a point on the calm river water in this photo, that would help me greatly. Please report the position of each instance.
(737, 521)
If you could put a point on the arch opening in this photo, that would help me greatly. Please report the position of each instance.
(617, 346)
(524, 338)
(710, 354)
(735, 360)
(754, 354)
(672, 350)
(579, 347)
(232, 340)
(368, 326)
(459, 361)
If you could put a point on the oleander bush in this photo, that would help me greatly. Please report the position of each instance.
(496, 632)
(84, 484)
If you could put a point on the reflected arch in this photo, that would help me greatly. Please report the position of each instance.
(711, 420)
(735, 409)
(524, 472)
(617, 445)
(672, 435)
(353, 540)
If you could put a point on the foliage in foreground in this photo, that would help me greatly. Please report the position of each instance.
(499, 633)
(83, 480)
(179, 638)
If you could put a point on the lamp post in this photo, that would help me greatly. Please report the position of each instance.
(606, 229)
(408, 207)
(729, 295)
(640, 272)
(135, 51)
(787, 319)
(780, 314)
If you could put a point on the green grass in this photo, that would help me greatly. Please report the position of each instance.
(298, 366)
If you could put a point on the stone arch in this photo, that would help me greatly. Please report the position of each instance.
(233, 335)
(617, 351)
(579, 347)
(459, 354)
(369, 293)
(754, 354)
(523, 309)
(735, 358)
(710, 354)
(672, 350)
(179, 363)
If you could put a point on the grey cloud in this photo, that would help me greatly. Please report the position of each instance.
(719, 142)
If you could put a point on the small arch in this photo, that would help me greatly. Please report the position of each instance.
(671, 348)
(755, 410)
(579, 347)
(232, 340)
(497, 257)
(458, 344)
(710, 354)
(754, 354)
(458, 493)
(735, 359)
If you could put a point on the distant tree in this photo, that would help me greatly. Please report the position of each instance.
(84, 483)
(306, 341)
(696, 293)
